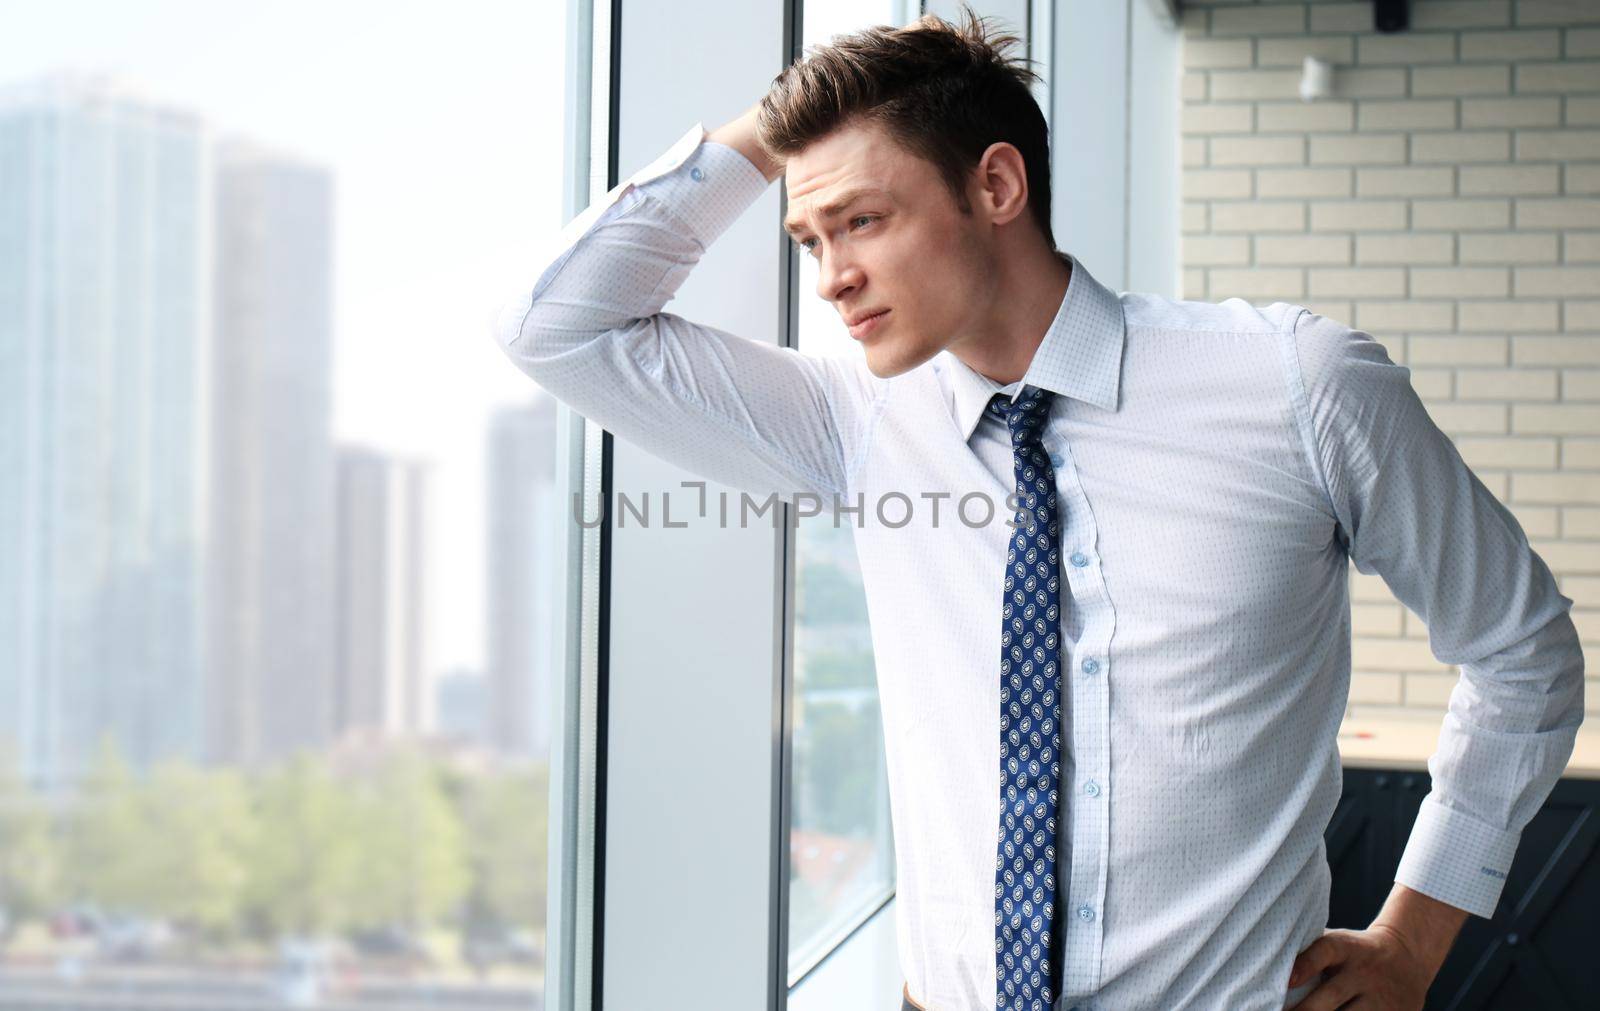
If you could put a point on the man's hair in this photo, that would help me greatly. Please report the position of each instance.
(943, 92)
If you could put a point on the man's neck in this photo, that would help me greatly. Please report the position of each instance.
(1028, 302)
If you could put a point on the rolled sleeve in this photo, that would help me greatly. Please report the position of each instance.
(1411, 511)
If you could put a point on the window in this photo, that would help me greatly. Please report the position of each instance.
(841, 865)
(272, 716)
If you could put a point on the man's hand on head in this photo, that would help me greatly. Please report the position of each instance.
(740, 134)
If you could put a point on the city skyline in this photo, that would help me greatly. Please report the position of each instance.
(198, 566)
(441, 209)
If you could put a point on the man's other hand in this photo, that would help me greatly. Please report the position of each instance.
(1376, 968)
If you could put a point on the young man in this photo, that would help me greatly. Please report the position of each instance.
(1109, 707)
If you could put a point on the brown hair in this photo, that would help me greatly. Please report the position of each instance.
(944, 92)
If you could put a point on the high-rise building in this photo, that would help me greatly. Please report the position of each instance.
(271, 568)
(524, 523)
(461, 706)
(381, 686)
(104, 304)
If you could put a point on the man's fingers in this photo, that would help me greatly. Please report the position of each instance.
(1334, 993)
(1321, 954)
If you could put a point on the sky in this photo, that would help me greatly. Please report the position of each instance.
(443, 126)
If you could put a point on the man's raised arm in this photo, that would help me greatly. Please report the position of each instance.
(591, 330)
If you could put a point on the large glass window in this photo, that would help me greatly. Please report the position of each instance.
(278, 523)
(841, 864)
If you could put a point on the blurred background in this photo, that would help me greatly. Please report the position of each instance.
(274, 728)
(304, 699)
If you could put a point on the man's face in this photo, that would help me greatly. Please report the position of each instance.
(900, 245)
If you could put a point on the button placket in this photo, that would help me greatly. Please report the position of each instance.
(1084, 883)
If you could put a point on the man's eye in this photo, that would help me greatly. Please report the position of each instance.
(804, 244)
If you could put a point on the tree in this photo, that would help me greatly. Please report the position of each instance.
(107, 855)
(507, 818)
(836, 750)
(305, 860)
(202, 828)
(413, 866)
(30, 868)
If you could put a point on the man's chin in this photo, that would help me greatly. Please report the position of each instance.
(885, 364)
(881, 367)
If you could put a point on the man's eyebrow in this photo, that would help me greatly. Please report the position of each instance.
(831, 209)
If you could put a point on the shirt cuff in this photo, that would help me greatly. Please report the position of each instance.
(728, 183)
(1457, 859)
(708, 189)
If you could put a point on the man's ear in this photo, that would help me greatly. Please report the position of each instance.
(1002, 182)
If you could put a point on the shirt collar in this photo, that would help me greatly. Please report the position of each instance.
(1080, 356)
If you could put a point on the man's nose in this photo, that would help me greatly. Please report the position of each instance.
(837, 278)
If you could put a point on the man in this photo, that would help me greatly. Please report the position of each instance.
(1109, 720)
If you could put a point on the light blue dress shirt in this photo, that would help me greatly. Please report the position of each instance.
(1219, 467)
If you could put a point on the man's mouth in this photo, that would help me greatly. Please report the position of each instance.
(868, 324)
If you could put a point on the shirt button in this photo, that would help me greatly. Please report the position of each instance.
(1055, 459)
(1092, 788)
(696, 174)
(1079, 559)
(1091, 665)
(1085, 913)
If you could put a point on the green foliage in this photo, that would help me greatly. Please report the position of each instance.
(839, 669)
(413, 868)
(836, 762)
(107, 854)
(305, 859)
(200, 825)
(828, 594)
(300, 849)
(30, 867)
(507, 822)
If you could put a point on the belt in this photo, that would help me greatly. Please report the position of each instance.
(911, 1004)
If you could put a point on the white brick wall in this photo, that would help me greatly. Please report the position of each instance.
(1446, 199)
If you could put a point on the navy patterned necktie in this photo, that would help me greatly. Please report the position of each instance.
(1026, 973)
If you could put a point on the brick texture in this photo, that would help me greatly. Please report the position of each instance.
(1446, 199)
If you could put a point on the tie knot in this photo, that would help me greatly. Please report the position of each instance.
(1027, 416)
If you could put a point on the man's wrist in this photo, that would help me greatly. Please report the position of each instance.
(1425, 925)
(740, 134)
